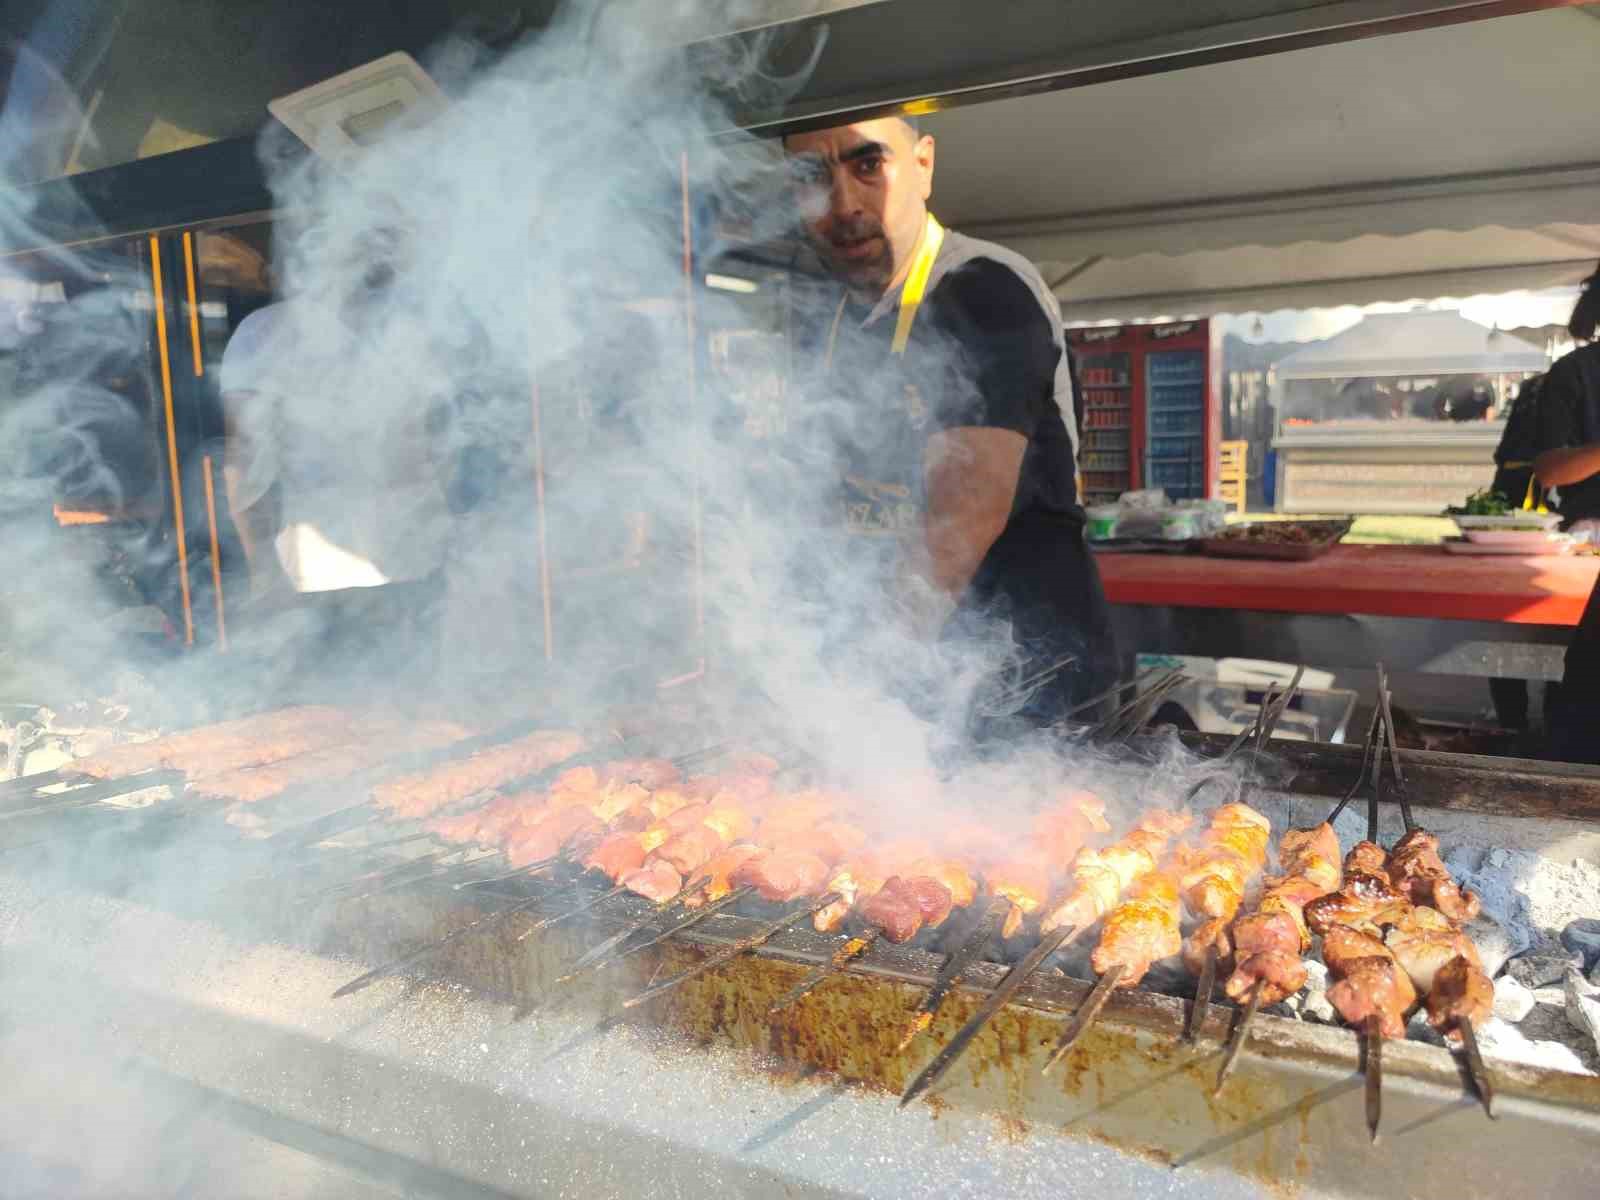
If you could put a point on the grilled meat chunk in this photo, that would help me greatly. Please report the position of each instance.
(1141, 931)
(1366, 858)
(714, 879)
(425, 792)
(656, 880)
(226, 746)
(691, 849)
(893, 908)
(1418, 872)
(1368, 982)
(1313, 854)
(1424, 940)
(1460, 991)
(1025, 882)
(1232, 852)
(547, 838)
(784, 875)
(616, 855)
(1268, 943)
(1365, 902)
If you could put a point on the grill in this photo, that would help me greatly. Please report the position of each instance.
(1292, 1114)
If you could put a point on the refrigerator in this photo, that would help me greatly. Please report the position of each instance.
(1150, 408)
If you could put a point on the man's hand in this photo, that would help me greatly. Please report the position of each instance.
(971, 481)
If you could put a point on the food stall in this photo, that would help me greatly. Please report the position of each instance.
(1401, 413)
(356, 949)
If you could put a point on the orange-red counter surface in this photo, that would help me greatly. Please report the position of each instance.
(1388, 581)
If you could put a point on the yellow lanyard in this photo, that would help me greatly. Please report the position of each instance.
(911, 293)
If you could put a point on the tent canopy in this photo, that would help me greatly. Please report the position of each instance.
(1452, 161)
(1413, 344)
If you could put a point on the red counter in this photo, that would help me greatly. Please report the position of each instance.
(1388, 581)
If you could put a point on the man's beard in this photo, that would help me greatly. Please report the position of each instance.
(874, 270)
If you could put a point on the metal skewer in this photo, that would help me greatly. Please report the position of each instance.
(1241, 1034)
(1108, 726)
(421, 952)
(1394, 752)
(842, 958)
(743, 946)
(546, 922)
(1367, 747)
(98, 793)
(379, 875)
(1085, 1016)
(1111, 692)
(1476, 1069)
(998, 703)
(1372, 1044)
(1008, 987)
(1202, 996)
(957, 965)
(607, 953)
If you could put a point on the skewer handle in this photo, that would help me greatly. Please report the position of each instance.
(405, 960)
(1372, 1042)
(1008, 987)
(1202, 996)
(1085, 1016)
(843, 957)
(953, 969)
(1476, 1068)
(1241, 1033)
(728, 953)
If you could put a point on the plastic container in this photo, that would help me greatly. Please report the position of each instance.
(1103, 520)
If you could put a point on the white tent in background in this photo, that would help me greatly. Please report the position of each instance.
(1398, 345)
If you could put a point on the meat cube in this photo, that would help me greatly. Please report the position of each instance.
(1282, 975)
(784, 875)
(691, 849)
(549, 837)
(893, 908)
(1461, 991)
(714, 879)
(616, 855)
(656, 880)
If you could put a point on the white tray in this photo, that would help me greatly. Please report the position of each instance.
(1527, 539)
(1545, 546)
(1509, 521)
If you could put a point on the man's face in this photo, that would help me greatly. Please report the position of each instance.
(862, 191)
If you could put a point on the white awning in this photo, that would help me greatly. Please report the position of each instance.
(1453, 161)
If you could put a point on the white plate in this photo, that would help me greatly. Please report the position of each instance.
(1556, 544)
(1510, 537)
(1511, 521)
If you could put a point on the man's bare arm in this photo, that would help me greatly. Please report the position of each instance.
(971, 478)
(1571, 464)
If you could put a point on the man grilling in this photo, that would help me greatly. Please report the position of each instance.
(942, 373)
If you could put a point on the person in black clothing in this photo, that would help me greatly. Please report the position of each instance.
(942, 386)
(1569, 411)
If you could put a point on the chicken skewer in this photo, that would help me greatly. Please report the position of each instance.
(1140, 931)
(1099, 878)
(1233, 852)
(1019, 886)
(1267, 946)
